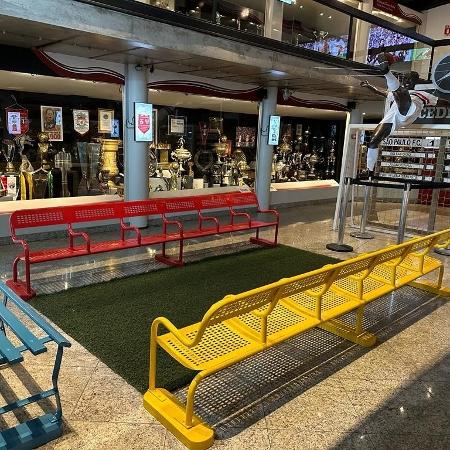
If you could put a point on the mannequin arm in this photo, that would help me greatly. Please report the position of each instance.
(377, 91)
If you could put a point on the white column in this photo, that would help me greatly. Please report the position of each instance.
(362, 34)
(273, 19)
(135, 153)
(264, 153)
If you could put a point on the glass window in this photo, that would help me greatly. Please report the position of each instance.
(311, 25)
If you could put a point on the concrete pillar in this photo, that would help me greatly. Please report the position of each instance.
(362, 33)
(264, 153)
(135, 153)
(273, 22)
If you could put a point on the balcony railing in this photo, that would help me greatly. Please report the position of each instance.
(308, 27)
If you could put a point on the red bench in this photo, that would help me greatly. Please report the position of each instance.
(167, 209)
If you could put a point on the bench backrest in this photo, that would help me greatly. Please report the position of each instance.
(94, 212)
(137, 208)
(306, 281)
(215, 201)
(242, 199)
(179, 204)
(359, 265)
(235, 305)
(39, 217)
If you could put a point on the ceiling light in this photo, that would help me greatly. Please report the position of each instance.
(301, 6)
(329, 17)
(245, 12)
(321, 14)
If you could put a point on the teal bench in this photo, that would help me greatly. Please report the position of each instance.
(16, 338)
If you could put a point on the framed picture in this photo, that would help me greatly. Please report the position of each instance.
(143, 122)
(105, 120)
(245, 137)
(51, 122)
(177, 124)
(216, 124)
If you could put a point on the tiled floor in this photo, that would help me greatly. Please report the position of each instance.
(315, 391)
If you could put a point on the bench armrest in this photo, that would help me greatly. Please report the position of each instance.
(23, 243)
(124, 228)
(177, 223)
(73, 234)
(166, 323)
(55, 335)
(240, 214)
(202, 218)
(270, 211)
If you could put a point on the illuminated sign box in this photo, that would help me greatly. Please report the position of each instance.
(143, 130)
(274, 130)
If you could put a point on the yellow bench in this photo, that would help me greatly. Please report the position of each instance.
(239, 326)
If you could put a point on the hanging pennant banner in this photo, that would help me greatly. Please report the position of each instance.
(17, 121)
(81, 121)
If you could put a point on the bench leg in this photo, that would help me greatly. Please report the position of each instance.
(162, 257)
(265, 242)
(354, 334)
(434, 288)
(21, 288)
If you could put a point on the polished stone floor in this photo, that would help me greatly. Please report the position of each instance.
(315, 391)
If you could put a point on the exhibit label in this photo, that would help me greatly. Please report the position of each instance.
(411, 142)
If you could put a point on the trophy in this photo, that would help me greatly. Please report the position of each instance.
(109, 148)
(284, 147)
(43, 146)
(217, 174)
(221, 149)
(181, 154)
(94, 160)
(331, 161)
(174, 169)
(152, 161)
(312, 162)
(9, 156)
(83, 158)
(104, 178)
(63, 161)
(25, 165)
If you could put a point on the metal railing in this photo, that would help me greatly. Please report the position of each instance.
(240, 23)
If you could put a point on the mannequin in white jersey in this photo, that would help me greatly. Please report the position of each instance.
(406, 105)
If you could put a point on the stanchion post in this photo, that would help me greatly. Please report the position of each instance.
(362, 233)
(339, 246)
(403, 214)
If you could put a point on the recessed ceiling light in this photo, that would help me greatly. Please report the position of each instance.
(321, 14)
(329, 17)
(301, 6)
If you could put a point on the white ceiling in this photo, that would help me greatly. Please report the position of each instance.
(64, 86)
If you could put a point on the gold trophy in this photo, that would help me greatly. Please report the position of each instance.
(110, 147)
(43, 145)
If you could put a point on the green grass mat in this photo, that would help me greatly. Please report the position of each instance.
(112, 320)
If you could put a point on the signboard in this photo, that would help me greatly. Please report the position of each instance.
(274, 130)
(143, 129)
(411, 142)
(289, 2)
(434, 115)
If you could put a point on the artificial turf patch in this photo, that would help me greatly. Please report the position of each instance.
(112, 320)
